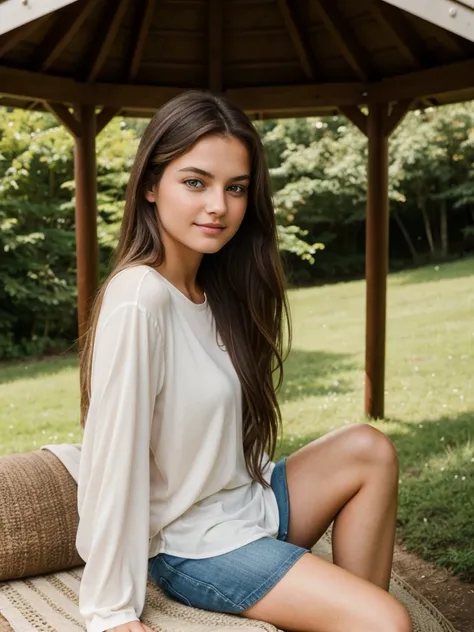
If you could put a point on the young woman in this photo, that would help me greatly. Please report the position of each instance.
(181, 418)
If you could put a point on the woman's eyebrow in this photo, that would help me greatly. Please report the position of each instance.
(202, 172)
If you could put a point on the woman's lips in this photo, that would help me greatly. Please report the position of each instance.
(210, 230)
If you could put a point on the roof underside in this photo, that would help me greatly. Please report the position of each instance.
(273, 57)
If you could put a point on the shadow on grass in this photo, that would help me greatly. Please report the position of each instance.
(313, 373)
(33, 368)
(434, 272)
(436, 492)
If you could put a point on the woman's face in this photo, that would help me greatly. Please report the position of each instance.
(202, 196)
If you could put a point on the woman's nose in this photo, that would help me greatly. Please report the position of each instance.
(216, 203)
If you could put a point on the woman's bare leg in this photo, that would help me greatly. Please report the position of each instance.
(317, 596)
(349, 476)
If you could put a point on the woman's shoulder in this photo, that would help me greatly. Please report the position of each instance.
(137, 286)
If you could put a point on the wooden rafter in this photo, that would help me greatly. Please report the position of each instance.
(65, 28)
(216, 33)
(424, 83)
(457, 44)
(304, 98)
(139, 37)
(355, 116)
(401, 31)
(65, 117)
(12, 38)
(297, 37)
(104, 117)
(450, 78)
(45, 87)
(396, 115)
(344, 38)
(110, 28)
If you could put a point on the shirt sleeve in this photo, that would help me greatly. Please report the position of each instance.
(114, 474)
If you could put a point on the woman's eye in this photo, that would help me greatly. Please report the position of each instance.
(237, 188)
(194, 184)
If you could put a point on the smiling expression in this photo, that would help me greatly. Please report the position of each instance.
(202, 195)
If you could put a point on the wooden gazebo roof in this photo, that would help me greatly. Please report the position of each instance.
(273, 57)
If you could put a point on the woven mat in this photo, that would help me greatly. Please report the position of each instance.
(49, 603)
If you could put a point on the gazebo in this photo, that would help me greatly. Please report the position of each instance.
(90, 60)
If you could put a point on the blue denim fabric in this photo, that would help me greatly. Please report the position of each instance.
(234, 581)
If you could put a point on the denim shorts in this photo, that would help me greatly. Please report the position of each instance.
(234, 581)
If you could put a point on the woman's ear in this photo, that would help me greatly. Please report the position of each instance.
(150, 195)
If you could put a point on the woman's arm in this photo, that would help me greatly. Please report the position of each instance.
(114, 475)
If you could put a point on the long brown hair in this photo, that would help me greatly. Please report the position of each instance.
(243, 281)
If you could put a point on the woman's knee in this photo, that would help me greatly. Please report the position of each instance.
(399, 620)
(368, 444)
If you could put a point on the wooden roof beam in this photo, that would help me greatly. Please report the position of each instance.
(112, 20)
(424, 83)
(139, 37)
(401, 31)
(65, 117)
(70, 121)
(304, 98)
(298, 38)
(43, 87)
(450, 78)
(104, 117)
(457, 44)
(355, 116)
(12, 38)
(216, 33)
(396, 115)
(344, 38)
(453, 15)
(65, 28)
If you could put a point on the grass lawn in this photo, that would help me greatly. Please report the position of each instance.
(429, 396)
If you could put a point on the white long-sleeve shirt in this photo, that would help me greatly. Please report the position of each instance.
(161, 467)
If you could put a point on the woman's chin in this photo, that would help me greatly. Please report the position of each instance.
(208, 246)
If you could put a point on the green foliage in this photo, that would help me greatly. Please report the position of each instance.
(319, 177)
(37, 275)
(37, 226)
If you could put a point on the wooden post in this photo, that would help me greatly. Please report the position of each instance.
(83, 126)
(376, 259)
(377, 126)
(87, 251)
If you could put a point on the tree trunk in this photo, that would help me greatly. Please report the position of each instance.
(406, 234)
(426, 221)
(444, 228)
(51, 183)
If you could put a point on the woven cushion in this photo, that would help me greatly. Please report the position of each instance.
(38, 515)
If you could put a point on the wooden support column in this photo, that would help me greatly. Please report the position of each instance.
(376, 259)
(380, 122)
(83, 126)
(87, 251)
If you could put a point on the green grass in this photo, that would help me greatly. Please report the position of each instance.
(429, 396)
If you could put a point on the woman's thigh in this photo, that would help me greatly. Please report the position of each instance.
(324, 475)
(317, 596)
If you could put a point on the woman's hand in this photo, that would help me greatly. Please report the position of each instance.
(133, 626)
